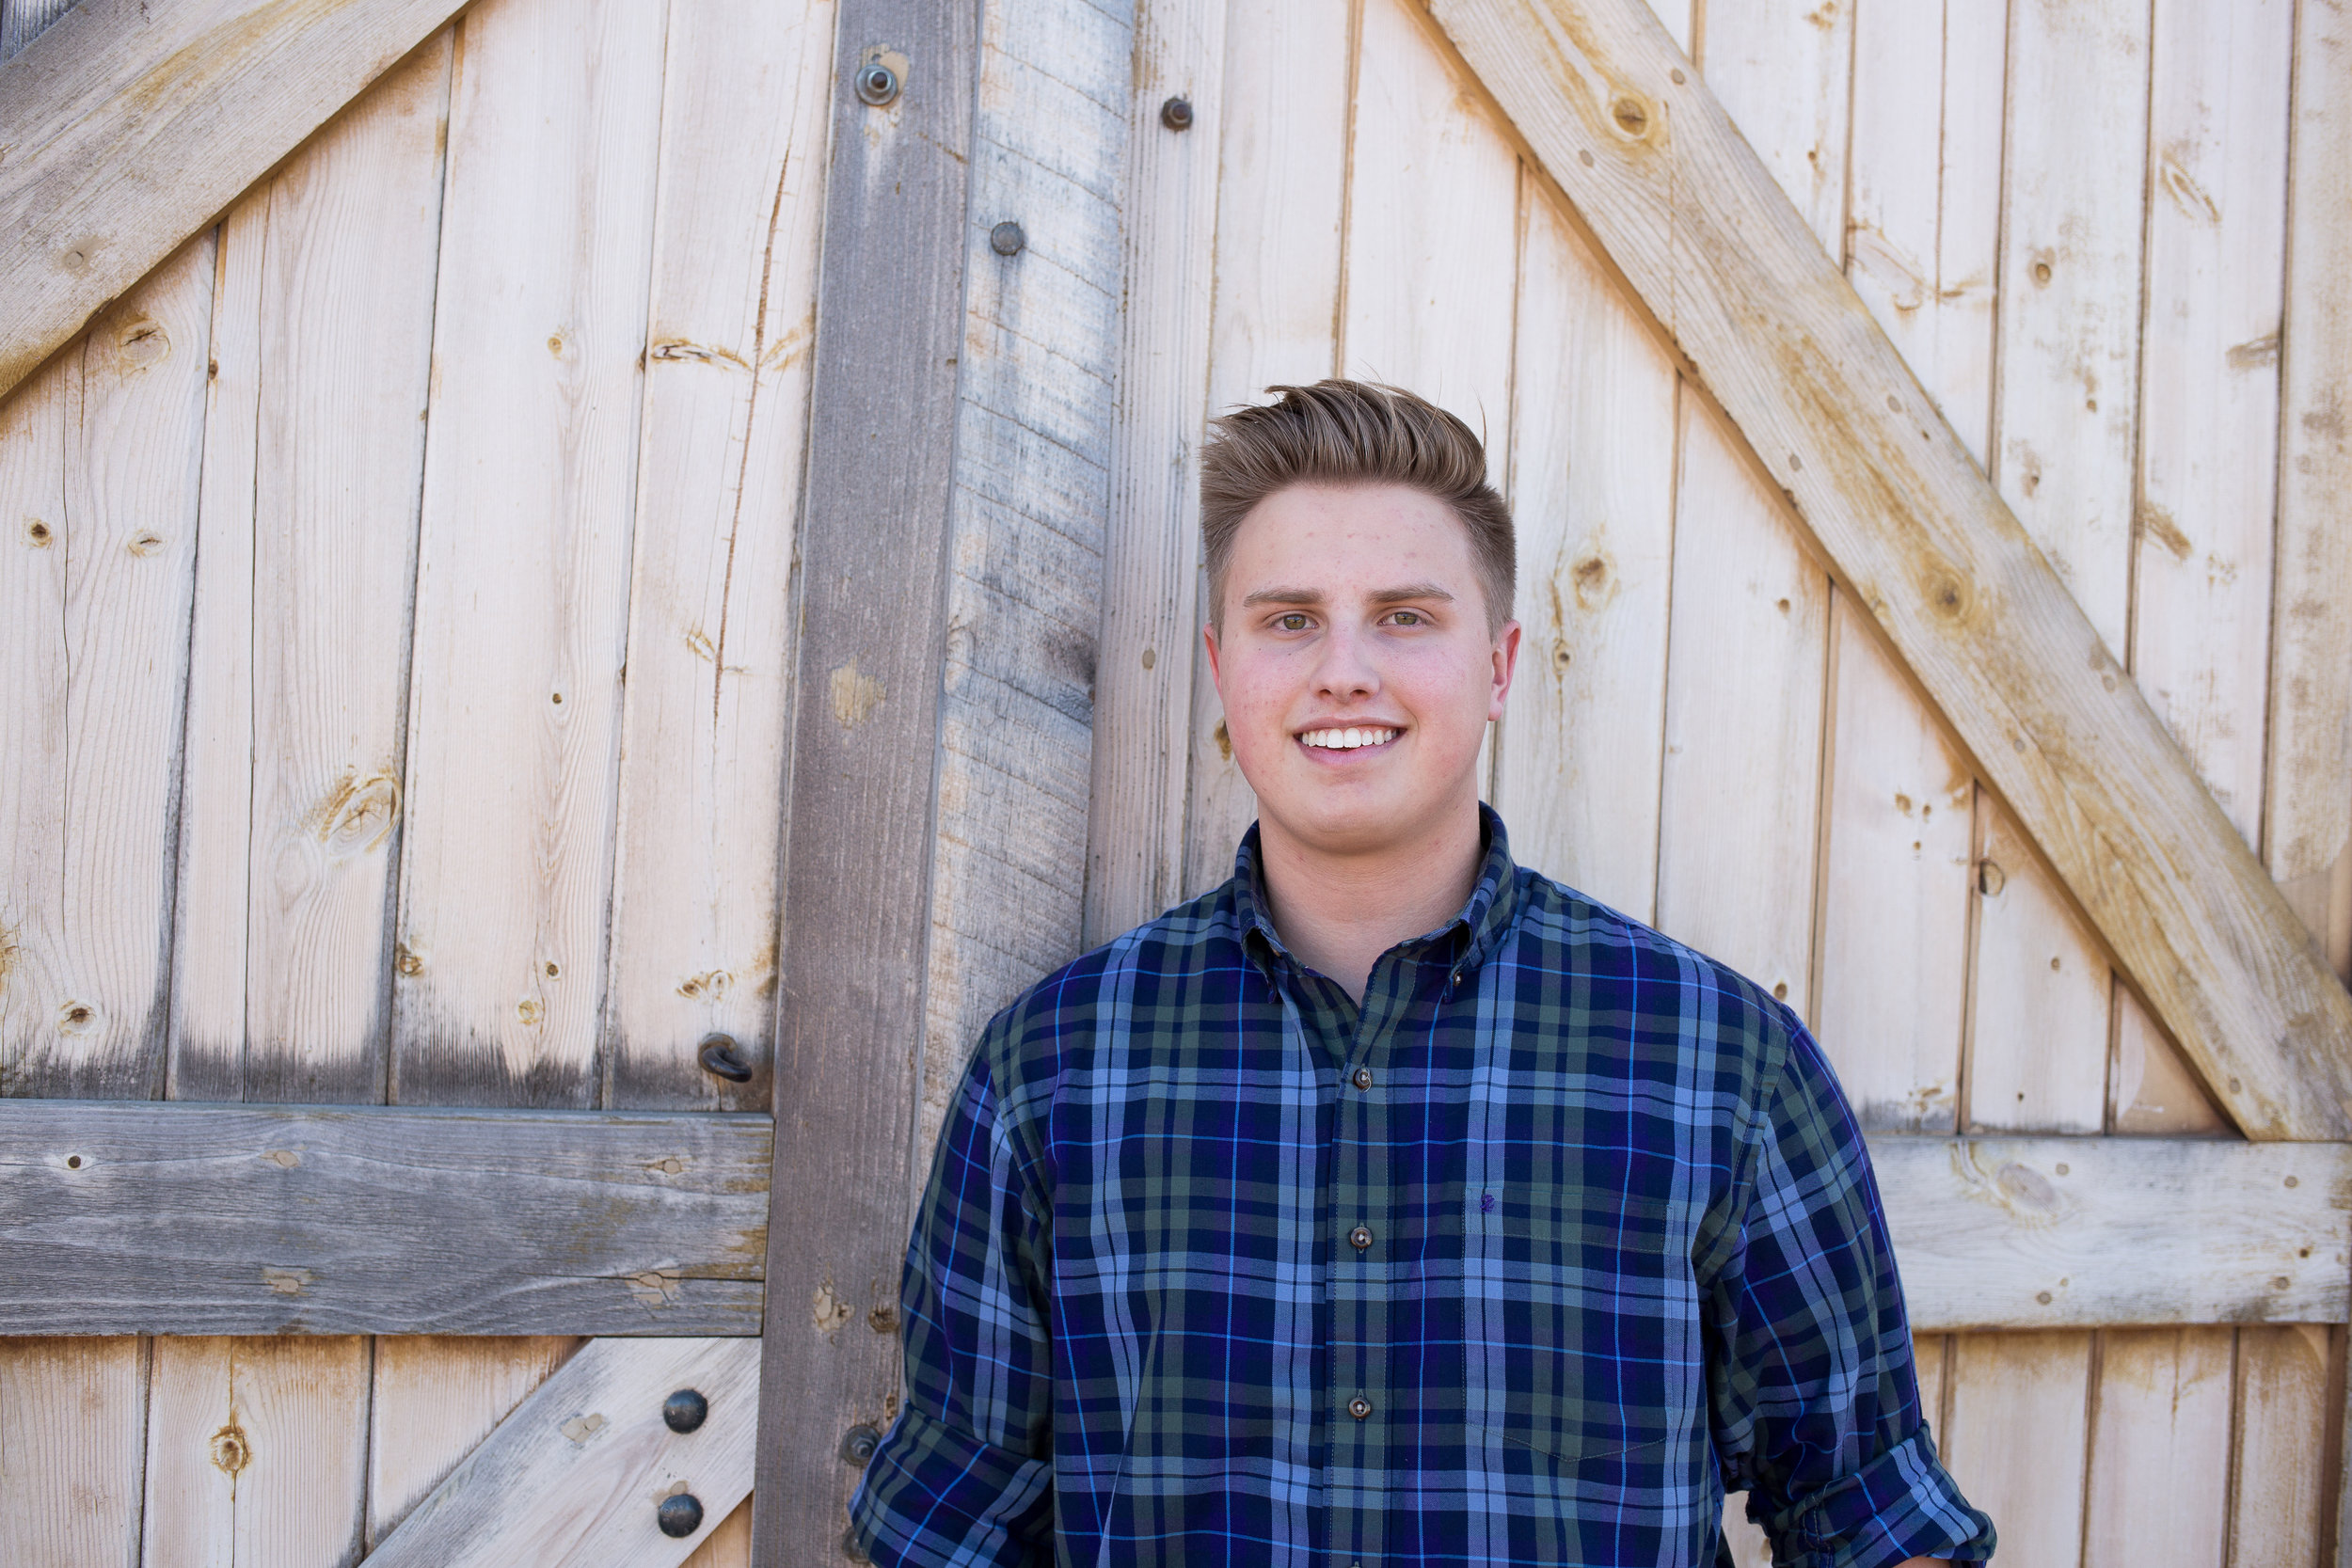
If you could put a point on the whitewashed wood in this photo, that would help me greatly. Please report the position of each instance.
(2040, 993)
(1578, 754)
(2278, 1475)
(522, 592)
(2116, 1231)
(1143, 681)
(2016, 1438)
(72, 1426)
(2209, 397)
(2151, 1089)
(1782, 70)
(1031, 497)
(434, 1399)
(2308, 824)
(22, 21)
(1893, 498)
(573, 1476)
(160, 1218)
(1282, 187)
(1922, 236)
(2158, 1489)
(104, 647)
(256, 1452)
(1426, 299)
(139, 123)
(1736, 873)
(727, 1544)
(694, 940)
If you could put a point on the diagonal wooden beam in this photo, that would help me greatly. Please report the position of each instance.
(1621, 121)
(130, 124)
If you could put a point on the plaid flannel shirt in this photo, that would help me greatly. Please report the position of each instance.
(1562, 1232)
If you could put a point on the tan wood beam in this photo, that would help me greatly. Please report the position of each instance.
(130, 124)
(577, 1476)
(1619, 118)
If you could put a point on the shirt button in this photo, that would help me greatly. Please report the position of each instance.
(1361, 1237)
(1359, 1407)
(1362, 1078)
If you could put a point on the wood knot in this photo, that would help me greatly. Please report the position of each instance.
(77, 1018)
(230, 1450)
(37, 533)
(141, 341)
(1631, 115)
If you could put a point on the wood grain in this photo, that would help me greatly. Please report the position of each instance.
(2006, 1384)
(703, 727)
(2040, 1007)
(1926, 546)
(2066, 1232)
(138, 123)
(873, 544)
(2278, 1475)
(2158, 1488)
(1152, 616)
(22, 21)
(573, 1476)
(434, 1399)
(163, 1218)
(73, 1425)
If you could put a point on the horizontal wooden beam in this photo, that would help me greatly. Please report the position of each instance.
(127, 126)
(1620, 120)
(2086, 1232)
(175, 1219)
(576, 1476)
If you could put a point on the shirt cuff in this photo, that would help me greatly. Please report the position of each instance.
(1903, 1504)
(934, 1497)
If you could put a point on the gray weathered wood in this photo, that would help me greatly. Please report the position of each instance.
(1618, 118)
(2018, 1233)
(857, 860)
(128, 126)
(148, 1218)
(22, 21)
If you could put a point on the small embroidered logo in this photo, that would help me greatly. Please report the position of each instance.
(1486, 1203)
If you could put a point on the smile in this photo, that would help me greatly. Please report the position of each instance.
(1348, 739)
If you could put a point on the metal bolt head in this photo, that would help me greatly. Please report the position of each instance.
(877, 84)
(851, 1549)
(1176, 113)
(1006, 239)
(679, 1517)
(859, 1443)
(685, 1410)
(721, 1059)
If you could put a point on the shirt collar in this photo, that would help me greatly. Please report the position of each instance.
(1470, 937)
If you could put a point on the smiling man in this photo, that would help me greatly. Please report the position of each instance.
(1392, 1203)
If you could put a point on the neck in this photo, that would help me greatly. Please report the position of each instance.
(1339, 912)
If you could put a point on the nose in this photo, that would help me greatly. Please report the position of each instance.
(1345, 669)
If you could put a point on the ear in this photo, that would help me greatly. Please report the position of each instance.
(1208, 641)
(1506, 664)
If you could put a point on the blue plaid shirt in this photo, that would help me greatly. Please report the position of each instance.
(1562, 1232)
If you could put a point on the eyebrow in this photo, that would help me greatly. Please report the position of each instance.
(1406, 594)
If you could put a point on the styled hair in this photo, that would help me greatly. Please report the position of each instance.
(1350, 432)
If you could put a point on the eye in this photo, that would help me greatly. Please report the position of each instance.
(1292, 622)
(1408, 618)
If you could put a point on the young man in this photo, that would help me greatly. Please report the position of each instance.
(1394, 1204)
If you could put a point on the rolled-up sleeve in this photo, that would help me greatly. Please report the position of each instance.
(1816, 1399)
(961, 1477)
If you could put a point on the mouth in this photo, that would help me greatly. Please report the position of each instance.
(1353, 737)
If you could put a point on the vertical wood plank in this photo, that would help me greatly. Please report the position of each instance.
(2016, 1438)
(857, 908)
(522, 582)
(72, 1434)
(1281, 189)
(254, 1457)
(22, 21)
(703, 758)
(2158, 1490)
(729, 1543)
(434, 1396)
(2154, 1090)
(1745, 711)
(2279, 1480)
(2209, 395)
(2038, 1032)
(1781, 68)
(107, 585)
(2307, 827)
(1151, 562)
(1577, 755)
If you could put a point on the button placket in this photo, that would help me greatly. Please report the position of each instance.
(1360, 1399)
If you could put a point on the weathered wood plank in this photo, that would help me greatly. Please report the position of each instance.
(434, 1399)
(746, 106)
(1927, 546)
(2004, 1384)
(188, 1219)
(874, 534)
(2039, 995)
(573, 1478)
(2277, 1473)
(1143, 681)
(22, 21)
(2064, 1232)
(2158, 1488)
(130, 126)
(73, 1422)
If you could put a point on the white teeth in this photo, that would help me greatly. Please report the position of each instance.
(1346, 739)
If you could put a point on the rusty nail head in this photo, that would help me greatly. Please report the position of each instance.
(1006, 239)
(685, 1410)
(679, 1516)
(859, 1443)
(1176, 113)
(877, 84)
(721, 1059)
